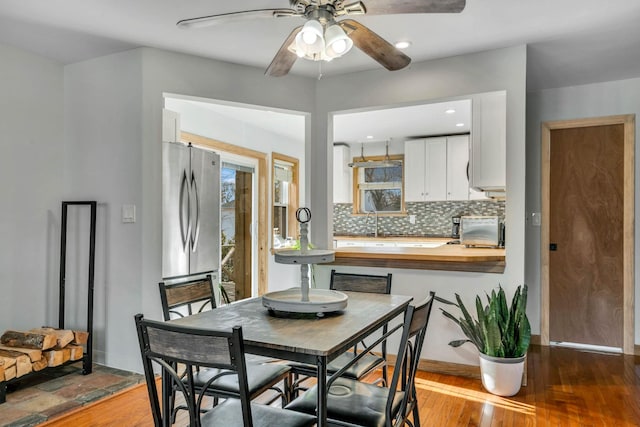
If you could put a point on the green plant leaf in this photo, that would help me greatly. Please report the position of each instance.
(500, 330)
(458, 343)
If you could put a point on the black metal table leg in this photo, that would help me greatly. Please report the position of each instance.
(3, 391)
(322, 391)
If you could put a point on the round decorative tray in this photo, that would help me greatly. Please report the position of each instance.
(320, 301)
(311, 256)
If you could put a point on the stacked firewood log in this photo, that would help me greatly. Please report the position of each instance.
(36, 349)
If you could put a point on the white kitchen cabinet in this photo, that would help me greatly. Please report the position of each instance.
(425, 169)
(487, 167)
(457, 162)
(436, 169)
(342, 174)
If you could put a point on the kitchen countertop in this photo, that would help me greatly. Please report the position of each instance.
(393, 238)
(445, 257)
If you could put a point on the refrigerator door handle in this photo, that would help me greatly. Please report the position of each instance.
(195, 230)
(185, 228)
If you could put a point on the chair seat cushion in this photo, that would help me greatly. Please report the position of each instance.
(366, 364)
(229, 414)
(352, 402)
(259, 377)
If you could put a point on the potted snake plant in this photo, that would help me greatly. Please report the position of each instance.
(501, 333)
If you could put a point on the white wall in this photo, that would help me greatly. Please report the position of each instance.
(199, 120)
(32, 169)
(456, 77)
(593, 100)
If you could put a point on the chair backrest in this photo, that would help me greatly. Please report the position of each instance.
(168, 345)
(414, 330)
(360, 283)
(186, 298)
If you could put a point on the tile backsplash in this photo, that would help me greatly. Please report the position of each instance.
(432, 218)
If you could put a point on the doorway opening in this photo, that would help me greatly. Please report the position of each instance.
(587, 234)
(237, 212)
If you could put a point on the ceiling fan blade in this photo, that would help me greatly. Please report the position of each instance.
(375, 46)
(285, 58)
(388, 7)
(205, 21)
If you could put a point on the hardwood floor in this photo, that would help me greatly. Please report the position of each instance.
(565, 388)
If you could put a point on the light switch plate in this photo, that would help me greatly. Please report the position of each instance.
(412, 219)
(535, 219)
(128, 213)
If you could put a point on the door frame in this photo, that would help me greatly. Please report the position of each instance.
(628, 121)
(262, 234)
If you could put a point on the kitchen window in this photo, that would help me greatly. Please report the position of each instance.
(379, 187)
(285, 198)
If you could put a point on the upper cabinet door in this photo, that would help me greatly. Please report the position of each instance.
(457, 161)
(414, 167)
(488, 142)
(425, 169)
(436, 169)
(342, 175)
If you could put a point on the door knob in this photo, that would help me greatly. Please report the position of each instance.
(553, 246)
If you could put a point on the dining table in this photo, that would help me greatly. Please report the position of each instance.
(304, 338)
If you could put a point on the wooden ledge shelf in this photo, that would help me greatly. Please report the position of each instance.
(446, 257)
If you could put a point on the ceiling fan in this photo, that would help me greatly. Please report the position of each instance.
(323, 38)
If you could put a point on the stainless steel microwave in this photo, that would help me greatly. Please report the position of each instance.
(480, 231)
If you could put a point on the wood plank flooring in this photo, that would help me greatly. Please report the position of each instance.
(565, 388)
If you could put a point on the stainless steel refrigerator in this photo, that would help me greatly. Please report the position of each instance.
(190, 210)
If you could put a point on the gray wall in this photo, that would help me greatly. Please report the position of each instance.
(32, 171)
(432, 81)
(92, 130)
(113, 111)
(103, 108)
(111, 153)
(593, 100)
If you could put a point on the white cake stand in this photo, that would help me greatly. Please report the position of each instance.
(303, 299)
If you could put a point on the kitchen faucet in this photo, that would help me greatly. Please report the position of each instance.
(375, 213)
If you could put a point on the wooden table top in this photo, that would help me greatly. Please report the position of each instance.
(302, 339)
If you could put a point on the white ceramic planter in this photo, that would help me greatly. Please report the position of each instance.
(501, 376)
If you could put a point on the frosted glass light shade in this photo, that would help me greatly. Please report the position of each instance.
(310, 40)
(337, 42)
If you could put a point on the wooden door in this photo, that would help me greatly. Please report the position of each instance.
(587, 235)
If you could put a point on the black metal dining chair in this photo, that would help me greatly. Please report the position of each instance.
(194, 296)
(169, 345)
(351, 282)
(355, 403)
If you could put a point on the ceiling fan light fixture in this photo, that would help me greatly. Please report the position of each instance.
(337, 41)
(310, 39)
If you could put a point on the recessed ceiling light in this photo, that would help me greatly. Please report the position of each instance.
(459, 125)
(402, 44)
(449, 111)
(369, 136)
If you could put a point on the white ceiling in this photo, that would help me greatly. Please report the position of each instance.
(570, 40)
(402, 123)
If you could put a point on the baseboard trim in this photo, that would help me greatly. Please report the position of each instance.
(536, 340)
(637, 350)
